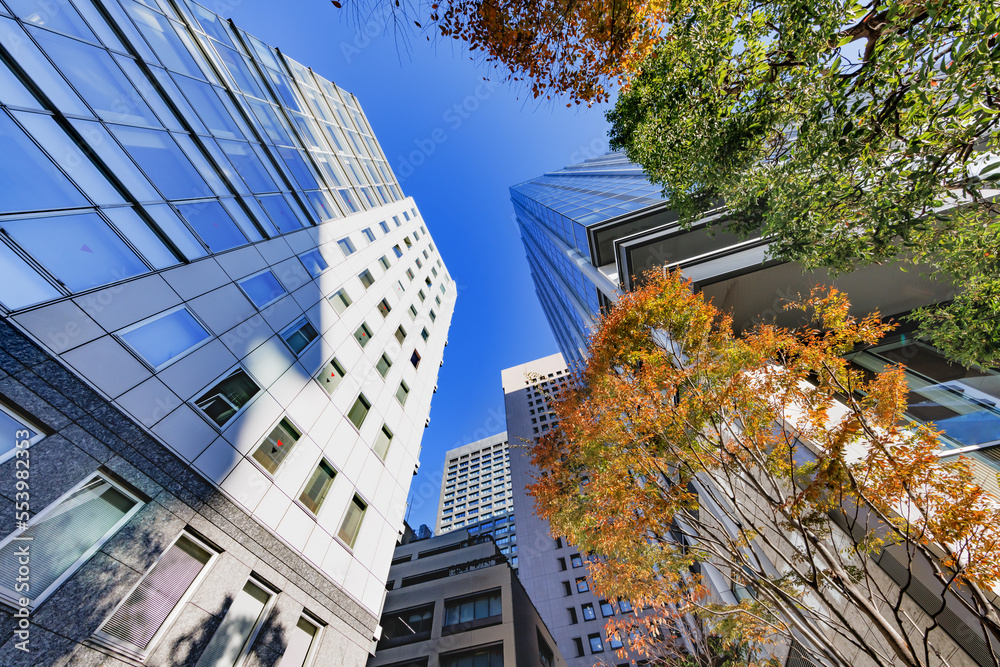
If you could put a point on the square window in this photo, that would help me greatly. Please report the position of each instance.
(402, 392)
(165, 337)
(581, 585)
(242, 619)
(588, 612)
(340, 301)
(313, 262)
(607, 609)
(385, 227)
(413, 312)
(368, 234)
(227, 397)
(277, 445)
(576, 560)
(382, 442)
(410, 274)
(262, 289)
(384, 308)
(397, 251)
(346, 246)
(363, 334)
(415, 359)
(424, 334)
(596, 645)
(366, 278)
(400, 334)
(318, 486)
(407, 242)
(299, 335)
(331, 375)
(384, 261)
(421, 294)
(383, 365)
(351, 525)
(420, 264)
(432, 315)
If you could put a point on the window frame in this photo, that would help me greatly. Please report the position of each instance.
(338, 367)
(193, 402)
(258, 626)
(253, 454)
(25, 424)
(239, 283)
(115, 644)
(326, 493)
(296, 327)
(13, 597)
(120, 337)
(340, 525)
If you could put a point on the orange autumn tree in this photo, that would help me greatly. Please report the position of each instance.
(692, 461)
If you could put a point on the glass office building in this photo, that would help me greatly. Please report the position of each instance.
(557, 213)
(221, 324)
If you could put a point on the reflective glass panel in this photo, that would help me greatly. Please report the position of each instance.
(314, 262)
(22, 285)
(300, 170)
(173, 51)
(165, 338)
(39, 69)
(206, 101)
(211, 222)
(142, 237)
(248, 166)
(168, 222)
(115, 158)
(99, 80)
(281, 213)
(59, 16)
(30, 180)
(162, 160)
(262, 288)
(81, 250)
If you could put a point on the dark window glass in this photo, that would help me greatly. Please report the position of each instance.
(478, 657)
(299, 335)
(403, 627)
(226, 398)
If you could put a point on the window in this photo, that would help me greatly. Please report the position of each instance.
(581, 585)
(588, 612)
(383, 365)
(363, 335)
(155, 600)
(491, 656)
(562, 564)
(340, 301)
(17, 430)
(559, 543)
(413, 312)
(596, 645)
(420, 264)
(384, 308)
(408, 242)
(425, 334)
(299, 335)
(573, 620)
(318, 486)
(351, 524)
(576, 560)
(568, 588)
(231, 639)
(359, 410)
(400, 334)
(276, 445)
(607, 609)
(300, 643)
(545, 657)
(64, 536)
(368, 234)
(579, 646)
(366, 278)
(406, 626)
(385, 227)
(402, 392)
(432, 315)
(624, 606)
(472, 611)
(262, 288)
(331, 375)
(415, 359)
(410, 274)
(384, 261)
(165, 337)
(421, 294)
(615, 642)
(314, 262)
(396, 251)
(227, 397)
(382, 442)
(346, 246)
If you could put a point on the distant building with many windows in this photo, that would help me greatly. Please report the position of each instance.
(221, 324)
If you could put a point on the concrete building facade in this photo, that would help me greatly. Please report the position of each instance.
(476, 493)
(454, 601)
(221, 324)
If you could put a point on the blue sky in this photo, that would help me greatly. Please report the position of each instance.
(456, 143)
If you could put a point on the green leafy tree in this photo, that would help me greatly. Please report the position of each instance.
(850, 133)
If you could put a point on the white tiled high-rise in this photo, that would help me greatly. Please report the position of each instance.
(221, 323)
